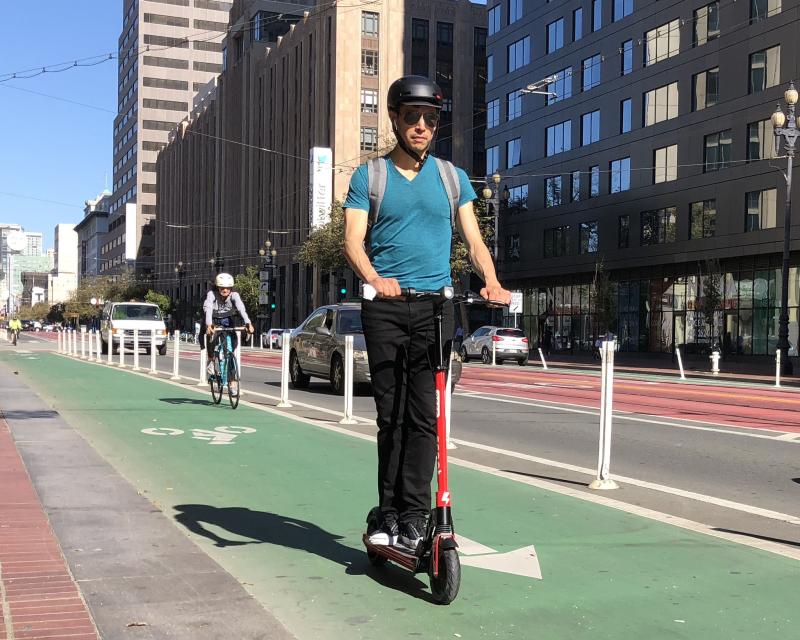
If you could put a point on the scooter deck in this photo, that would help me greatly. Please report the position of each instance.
(399, 555)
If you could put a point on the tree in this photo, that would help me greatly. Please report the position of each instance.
(324, 247)
(247, 284)
(163, 301)
(603, 299)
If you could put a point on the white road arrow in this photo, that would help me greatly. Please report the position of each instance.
(521, 562)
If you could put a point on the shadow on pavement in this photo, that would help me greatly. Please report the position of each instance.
(29, 415)
(204, 403)
(541, 477)
(791, 543)
(270, 528)
(797, 480)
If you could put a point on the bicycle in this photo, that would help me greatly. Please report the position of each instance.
(226, 369)
(14, 336)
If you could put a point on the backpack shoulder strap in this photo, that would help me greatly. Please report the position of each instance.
(452, 185)
(377, 175)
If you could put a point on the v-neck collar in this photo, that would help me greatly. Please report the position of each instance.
(400, 173)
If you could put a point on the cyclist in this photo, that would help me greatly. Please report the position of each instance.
(15, 326)
(224, 307)
(410, 243)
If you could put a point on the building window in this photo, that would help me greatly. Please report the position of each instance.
(597, 14)
(518, 199)
(369, 24)
(444, 34)
(514, 10)
(658, 226)
(590, 128)
(577, 25)
(489, 68)
(561, 88)
(763, 9)
(514, 104)
(625, 115)
(519, 54)
(557, 242)
(494, 20)
(666, 164)
(661, 104)
(760, 212)
(420, 47)
(575, 186)
(760, 140)
(493, 113)
(369, 101)
(662, 42)
(622, 8)
(552, 191)
(705, 89)
(369, 138)
(765, 69)
(369, 62)
(594, 181)
(589, 240)
(492, 160)
(706, 24)
(627, 57)
(703, 219)
(717, 151)
(591, 72)
(620, 175)
(559, 138)
(513, 152)
(623, 232)
(555, 35)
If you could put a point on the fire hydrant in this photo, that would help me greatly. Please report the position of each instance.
(714, 357)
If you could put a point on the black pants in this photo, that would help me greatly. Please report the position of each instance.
(400, 346)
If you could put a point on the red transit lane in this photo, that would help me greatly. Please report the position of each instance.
(751, 407)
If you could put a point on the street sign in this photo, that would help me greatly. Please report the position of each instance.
(264, 286)
(264, 275)
(263, 298)
(516, 302)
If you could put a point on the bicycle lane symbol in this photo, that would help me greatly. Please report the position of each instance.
(219, 435)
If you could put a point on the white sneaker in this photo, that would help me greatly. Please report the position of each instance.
(386, 534)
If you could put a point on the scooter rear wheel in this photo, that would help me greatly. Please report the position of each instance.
(444, 587)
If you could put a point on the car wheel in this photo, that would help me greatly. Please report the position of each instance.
(464, 355)
(103, 347)
(300, 380)
(337, 376)
(522, 362)
(486, 356)
(162, 350)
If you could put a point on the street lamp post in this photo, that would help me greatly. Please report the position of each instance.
(217, 262)
(789, 134)
(493, 193)
(268, 255)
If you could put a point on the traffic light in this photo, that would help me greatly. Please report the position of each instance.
(342, 289)
(273, 306)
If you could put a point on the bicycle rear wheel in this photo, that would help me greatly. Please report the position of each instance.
(216, 383)
(233, 381)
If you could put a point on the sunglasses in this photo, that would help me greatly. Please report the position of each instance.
(412, 117)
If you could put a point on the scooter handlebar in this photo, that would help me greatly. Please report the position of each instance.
(445, 293)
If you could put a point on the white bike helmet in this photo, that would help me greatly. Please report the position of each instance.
(224, 280)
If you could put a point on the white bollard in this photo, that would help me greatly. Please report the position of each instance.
(603, 480)
(58, 341)
(110, 345)
(261, 340)
(541, 357)
(448, 396)
(348, 382)
(680, 362)
(135, 349)
(203, 379)
(778, 368)
(153, 349)
(99, 338)
(90, 340)
(83, 343)
(284, 403)
(494, 362)
(75, 343)
(239, 345)
(176, 348)
(121, 349)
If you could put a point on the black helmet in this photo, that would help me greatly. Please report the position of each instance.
(416, 91)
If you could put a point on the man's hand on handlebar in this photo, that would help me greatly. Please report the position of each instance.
(250, 328)
(386, 287)
(210, 330)
(496, 293)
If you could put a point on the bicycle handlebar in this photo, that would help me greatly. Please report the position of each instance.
(220, 329)
(445, 293)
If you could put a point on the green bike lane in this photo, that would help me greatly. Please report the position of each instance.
(282, 509)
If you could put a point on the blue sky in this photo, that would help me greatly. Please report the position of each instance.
(50, 149)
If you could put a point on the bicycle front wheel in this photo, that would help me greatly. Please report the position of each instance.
(233, 381)
(216, 383)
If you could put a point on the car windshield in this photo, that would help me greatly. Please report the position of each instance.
(511, 333)
(136, 312)
(349, 322)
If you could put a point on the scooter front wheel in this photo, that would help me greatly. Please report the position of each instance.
(444, 587)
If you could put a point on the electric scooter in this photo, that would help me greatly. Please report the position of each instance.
(436, 554)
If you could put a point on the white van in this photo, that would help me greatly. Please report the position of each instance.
(119, 317)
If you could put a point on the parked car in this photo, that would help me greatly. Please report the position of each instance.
(121, 318)
(509, 344)
(273, 338)
(49, 327)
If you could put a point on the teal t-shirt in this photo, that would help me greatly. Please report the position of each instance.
(410, 240)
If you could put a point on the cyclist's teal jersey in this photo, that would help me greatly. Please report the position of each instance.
(410, 240)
